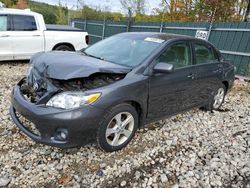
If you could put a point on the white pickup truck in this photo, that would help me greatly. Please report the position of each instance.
(24, 33)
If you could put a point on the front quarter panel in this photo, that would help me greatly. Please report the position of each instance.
(132, 88)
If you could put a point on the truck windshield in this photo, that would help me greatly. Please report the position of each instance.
(128, 51)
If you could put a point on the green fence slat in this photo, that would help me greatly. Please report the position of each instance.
(231, 37)
(224, 37)
(244, 67)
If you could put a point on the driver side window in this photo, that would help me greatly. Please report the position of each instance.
(177, 55)
(3, 23)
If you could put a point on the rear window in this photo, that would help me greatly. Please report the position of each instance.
(3, 23)
(204, 54)
(24, 23)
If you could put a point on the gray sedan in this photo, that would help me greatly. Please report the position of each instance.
(116, 86)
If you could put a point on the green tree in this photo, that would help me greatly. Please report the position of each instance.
(21, 4)
(48, 11)
(9, 3)
(61, 14)
(136, 6)
(247, 12)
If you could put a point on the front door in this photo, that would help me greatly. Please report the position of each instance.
(6, 51)
(173, 92)
(27, 39)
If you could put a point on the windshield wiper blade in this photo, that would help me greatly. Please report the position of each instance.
(101, 58)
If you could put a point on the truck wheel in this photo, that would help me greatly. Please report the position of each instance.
(117, 128)
(63, 48)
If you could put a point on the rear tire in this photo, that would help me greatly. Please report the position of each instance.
(63, 48)
(217, 98)
(117, 128)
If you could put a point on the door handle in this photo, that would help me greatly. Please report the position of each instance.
(192, 76)
(36, 35)
(4, 35)
(220, 65)
(217, 71)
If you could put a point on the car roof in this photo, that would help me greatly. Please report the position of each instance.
(162, 36)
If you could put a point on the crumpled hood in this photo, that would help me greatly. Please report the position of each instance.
(70, 65)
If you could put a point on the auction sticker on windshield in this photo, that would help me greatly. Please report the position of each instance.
(150, 39)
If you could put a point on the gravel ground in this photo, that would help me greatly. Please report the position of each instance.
(194, 149)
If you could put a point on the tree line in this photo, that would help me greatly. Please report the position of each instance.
(140, 10)
(190, 10)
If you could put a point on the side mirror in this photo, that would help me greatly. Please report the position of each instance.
(163, 68)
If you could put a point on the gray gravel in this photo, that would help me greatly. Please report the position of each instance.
(194, 149)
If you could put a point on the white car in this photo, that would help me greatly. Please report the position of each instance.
(24, 33)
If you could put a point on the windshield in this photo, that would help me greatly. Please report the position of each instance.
(123, 50)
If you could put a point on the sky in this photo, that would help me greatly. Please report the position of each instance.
(114, 5)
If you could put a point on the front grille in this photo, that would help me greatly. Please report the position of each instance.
(28, 124)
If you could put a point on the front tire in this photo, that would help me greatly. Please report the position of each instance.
(118, 128)
(217, 98)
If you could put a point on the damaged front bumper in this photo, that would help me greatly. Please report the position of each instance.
(55, 127)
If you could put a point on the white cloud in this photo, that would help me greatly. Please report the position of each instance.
(114, 5)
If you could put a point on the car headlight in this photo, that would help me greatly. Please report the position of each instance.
(70, 100)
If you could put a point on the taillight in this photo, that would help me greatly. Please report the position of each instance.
(87, 39)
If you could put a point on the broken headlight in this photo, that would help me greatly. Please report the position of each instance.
(70, 100)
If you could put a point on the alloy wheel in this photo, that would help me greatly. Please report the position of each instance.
(218, 98)
(120, 128)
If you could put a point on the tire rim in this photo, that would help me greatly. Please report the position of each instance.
(218, 98)
(120, 128)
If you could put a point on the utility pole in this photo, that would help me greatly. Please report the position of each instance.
(163, 14)
(211, 23)
(129, 18)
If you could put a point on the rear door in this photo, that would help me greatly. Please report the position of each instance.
(6, 51)
(173, 92)
(208, 68)
(27, 39)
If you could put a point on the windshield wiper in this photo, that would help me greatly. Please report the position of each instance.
(101, 58)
